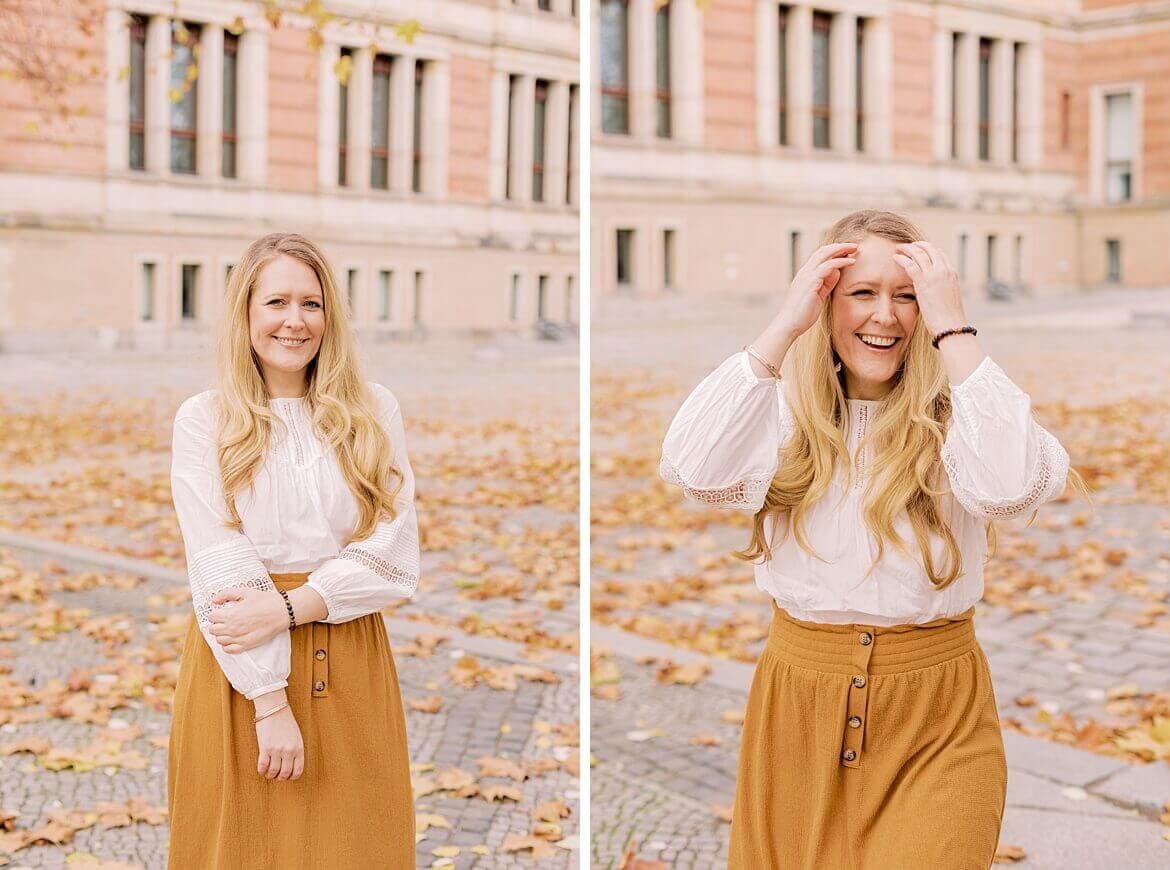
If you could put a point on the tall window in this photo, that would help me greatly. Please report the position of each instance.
(625, 244)
(1018, 260)
(859, 85)
(668, 259)
(231, 49)
(822, 24)
(962, 258)
(1017, 48)
(380, 124)
(569, 290)
(662, 69)
(385, 293)
(991, 273)
(571, 157)
(184, 112)
(984, 98)
(416, 141)
(1119, 147)
(544, 5)
(782, 57)
(615, 66)
(541, 296)
(513, 83)
(793, 253)
(345, 63)
(137, 92)
(351, 279)
(539, 124)
(146, 299)
(514, 298)
(190, 286)
(1065, 118)
(418, 298)
(955, 58)
(1113, 261)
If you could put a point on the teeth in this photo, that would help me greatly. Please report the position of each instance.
(877, 341)
(291, 342)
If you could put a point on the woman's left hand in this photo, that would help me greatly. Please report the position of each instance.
(244, 618)
(936, 284)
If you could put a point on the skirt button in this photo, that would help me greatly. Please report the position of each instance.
(319, 686)
(320, 655)
(859, 682)
(849, 755)
(854, 721)
(866, 638)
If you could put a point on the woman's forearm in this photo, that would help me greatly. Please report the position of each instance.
(308, 605)
(773, 344)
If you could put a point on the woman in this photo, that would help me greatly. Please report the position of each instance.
(296, 502)
(871, 738)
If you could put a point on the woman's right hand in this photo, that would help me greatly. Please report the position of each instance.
(282, 751)
(812, 286)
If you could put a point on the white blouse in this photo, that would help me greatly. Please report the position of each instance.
(723, 446)
(298, 516)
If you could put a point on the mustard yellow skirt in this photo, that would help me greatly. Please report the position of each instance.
(351, 808)
(869, 749)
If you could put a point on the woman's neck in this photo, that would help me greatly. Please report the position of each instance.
(286, 385)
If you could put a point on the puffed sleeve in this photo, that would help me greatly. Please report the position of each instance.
(1001, 463)
(723, 445)
(218, 558)
(370, 574)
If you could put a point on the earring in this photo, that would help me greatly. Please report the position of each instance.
(837, 367)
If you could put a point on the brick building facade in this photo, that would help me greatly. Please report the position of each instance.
(1030, 140)
(427, 146)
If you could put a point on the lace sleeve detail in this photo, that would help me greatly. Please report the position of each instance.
(746, 494)
(1000, 462)
(722, 447)
(232, 564)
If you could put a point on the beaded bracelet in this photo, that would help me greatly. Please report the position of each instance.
(965, 330)
(292, 617)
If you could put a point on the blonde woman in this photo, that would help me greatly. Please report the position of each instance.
(296, 503)
(872, 465)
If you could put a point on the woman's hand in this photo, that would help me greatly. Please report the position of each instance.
(282, 751)
(813, 284)
(244, 618)
(936, 284)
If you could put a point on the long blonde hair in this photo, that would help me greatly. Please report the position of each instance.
(343, 413)
(907, 434)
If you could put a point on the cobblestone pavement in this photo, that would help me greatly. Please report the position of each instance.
(499, 407)
(1076, 603)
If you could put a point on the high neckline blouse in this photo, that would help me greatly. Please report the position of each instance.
(298, 516)
(723, 449)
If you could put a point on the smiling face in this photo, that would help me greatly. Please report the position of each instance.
(286, 320)
(873, 313)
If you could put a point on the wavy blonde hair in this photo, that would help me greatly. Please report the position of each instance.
(907, 435)
(343, 412)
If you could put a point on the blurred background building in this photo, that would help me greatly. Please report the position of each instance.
(1031, 140)
(428, 146)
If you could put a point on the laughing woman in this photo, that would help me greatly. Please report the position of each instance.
(296, 503)
(873, 468)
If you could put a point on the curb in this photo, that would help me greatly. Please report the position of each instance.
(1143, 788)
(471, 644)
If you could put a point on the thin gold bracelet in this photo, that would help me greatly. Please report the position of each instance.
(270, 712)
(775, 372)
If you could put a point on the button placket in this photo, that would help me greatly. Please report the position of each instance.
(320, 659)
(853, 728)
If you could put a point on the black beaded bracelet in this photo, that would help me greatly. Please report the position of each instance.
(292, 617)
(964, 330)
